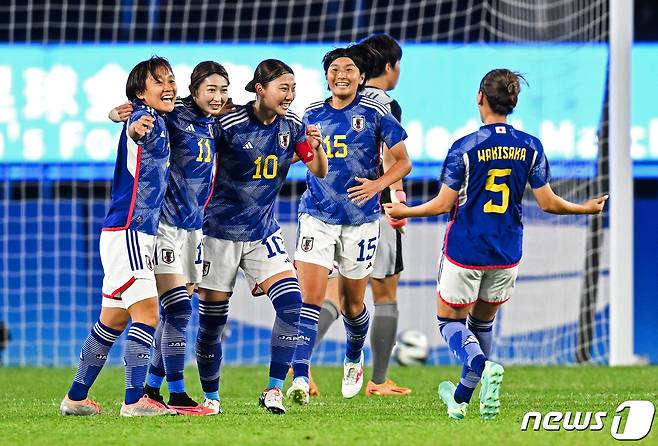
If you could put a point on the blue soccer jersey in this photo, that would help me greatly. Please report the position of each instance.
(490, 169)
(192, 161)
(252, 163)
(140, 176)
(352, 136)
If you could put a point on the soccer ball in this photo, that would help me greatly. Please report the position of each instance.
(411, 348)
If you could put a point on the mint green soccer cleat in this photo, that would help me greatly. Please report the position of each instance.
(492, 377)
(456, 411)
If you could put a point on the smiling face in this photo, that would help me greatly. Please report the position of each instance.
(160, 92)
(344, 78)
(278, 94)
(211, 95)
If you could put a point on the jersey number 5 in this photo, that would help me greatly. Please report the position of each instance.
(503, 188)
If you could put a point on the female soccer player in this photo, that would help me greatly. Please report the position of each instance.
(127, 246)
(258, 143)
(384, 76)
(339, 215)
(179, 259)
(484, 177)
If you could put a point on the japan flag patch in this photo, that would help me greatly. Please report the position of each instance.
(358, 123)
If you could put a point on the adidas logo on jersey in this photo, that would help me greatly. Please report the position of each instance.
(248, 145)
(190, 128)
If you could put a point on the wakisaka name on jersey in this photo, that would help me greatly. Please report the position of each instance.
(502, 153)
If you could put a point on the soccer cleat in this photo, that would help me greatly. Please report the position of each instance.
(145, 407)
(387, 388)
(352, 378)
(312, 387)
(272, 400)
(299, 391)
(85, 407)
(456, 411)
(492, 377)
(184, 405)
(154, 394)
(213, 407)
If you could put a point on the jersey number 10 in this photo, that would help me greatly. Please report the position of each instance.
(503, 188)
(266, 168)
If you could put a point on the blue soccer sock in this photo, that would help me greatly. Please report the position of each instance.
(356, 330)
(308, 331)
(286, 298)
(464, 344)
(483, 331)
(177, 312)
(136, 359)
(92, 358)
(156, 372)
(208, 349)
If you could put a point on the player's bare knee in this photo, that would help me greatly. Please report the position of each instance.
(208, 295)
(145, 311)
(115, 318)
(484, 311)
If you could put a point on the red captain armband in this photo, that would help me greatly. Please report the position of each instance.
(304, 152)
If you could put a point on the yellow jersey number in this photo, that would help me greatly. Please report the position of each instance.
(266, 168)
(204, 143)
(336, 149)
(503, 188)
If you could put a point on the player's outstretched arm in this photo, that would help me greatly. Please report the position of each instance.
(138, 129)
(121, 113)
(398, 170)
(549, 202)
(319, 165)
(440, 204)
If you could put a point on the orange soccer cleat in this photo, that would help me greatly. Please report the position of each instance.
(387, 388)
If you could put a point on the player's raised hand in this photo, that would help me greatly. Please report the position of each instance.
(121, 113)
(365, 191)
(396, 211)
(141, 127)
(314, 137)
(595, 205)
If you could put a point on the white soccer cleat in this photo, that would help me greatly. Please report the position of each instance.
(85, 407)
(213, 407)
(272, 400)
(352, 378)
(492, 378)
(299, 391)
(145, 407)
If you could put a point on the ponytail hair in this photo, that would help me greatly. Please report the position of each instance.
(501, 87)
(203, 70)
(267, 71)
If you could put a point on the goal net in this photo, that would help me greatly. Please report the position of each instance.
(57, 151)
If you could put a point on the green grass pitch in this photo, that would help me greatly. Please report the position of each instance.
(32, 396)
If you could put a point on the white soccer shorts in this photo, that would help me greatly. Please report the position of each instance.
(259, 261)
(127, 258)
(179, 251)
(460, 287)
(352, 247)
